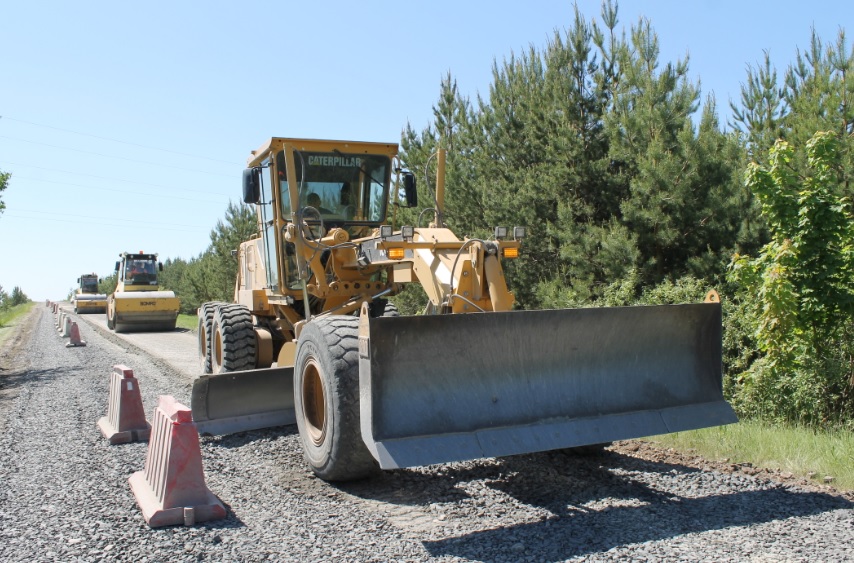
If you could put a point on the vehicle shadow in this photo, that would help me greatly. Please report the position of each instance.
(240, 439)
(593, 504)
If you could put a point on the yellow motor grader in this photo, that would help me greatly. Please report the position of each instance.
(86, 298)
(311, 338)
(138, 304)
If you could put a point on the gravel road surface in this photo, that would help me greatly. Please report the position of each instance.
(64, 493)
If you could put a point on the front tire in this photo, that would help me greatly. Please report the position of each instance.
(232, 339)
(326, 400)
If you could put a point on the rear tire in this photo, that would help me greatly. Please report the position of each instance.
(232, 339)
(326, 400)
(206, 313)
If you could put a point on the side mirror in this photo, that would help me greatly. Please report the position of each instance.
(78, 280)
(160, 265)
(252, 185)
(409, 190)
(118, 265)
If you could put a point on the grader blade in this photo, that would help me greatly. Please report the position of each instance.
(237, 401)
(436, 389)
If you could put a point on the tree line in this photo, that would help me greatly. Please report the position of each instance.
(9, 300)
(633, 192)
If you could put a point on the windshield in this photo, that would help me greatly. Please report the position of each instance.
(89, 285)
(350, 188)
(141, 271)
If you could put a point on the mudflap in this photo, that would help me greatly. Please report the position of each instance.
(238, 401)
(436, 389)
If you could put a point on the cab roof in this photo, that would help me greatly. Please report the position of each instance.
(276, 144)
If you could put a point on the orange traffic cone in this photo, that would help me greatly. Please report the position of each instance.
(171, 490)
(125, 420)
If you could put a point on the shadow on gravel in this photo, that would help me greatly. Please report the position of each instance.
(230, 522)
(10, 379)
(241, 439)
(411, 488)
(550, 480)
(635, 512)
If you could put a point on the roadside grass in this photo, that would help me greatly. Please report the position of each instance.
(9, 318)
(801, 451)
(189, 322)
(10, 315)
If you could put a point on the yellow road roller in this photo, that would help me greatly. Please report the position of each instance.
(86, 297)
(138, 304)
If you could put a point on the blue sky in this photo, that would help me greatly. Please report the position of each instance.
(126, 125)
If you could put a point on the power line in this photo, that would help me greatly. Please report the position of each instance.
(194, 199)
(116, 157)
(90, 223)
(77, 215)
(118, 140)
(112, 179)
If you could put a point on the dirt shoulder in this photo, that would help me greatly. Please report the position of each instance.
(14, 339)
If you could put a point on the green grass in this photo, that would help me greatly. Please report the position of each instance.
(10, 317)
(801, 451)
(189, 322)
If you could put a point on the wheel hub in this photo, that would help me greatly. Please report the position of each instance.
(314, 402)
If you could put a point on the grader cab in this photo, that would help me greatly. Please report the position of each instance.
(311, 338)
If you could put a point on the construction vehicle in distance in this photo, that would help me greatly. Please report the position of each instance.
(137, 304)
(86, 298)
(311, 338)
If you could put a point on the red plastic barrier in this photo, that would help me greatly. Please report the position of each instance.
(65, 329)
(74, 335)
(171, 490)
(125, 420)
